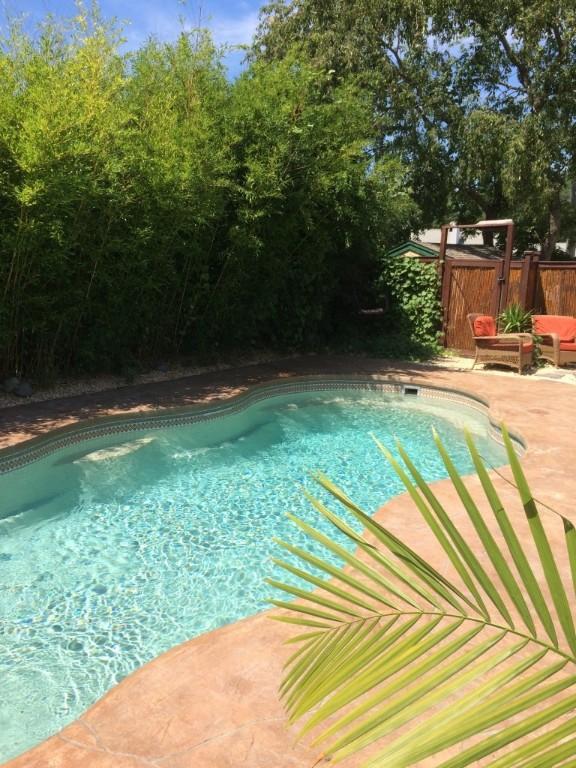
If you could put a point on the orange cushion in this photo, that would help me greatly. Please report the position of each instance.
(484, 325)
(563, 325)
(568, 346)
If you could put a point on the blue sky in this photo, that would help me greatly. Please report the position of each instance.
(231, 21)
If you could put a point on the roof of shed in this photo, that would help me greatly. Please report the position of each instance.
(414, 248)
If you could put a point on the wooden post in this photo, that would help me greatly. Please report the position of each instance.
(442, 275)
(533, 284)
(442, 255)
(505, 279)
(496, 303)
(527, 281)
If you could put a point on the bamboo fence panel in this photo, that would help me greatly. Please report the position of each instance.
(473, 286)
(556, 290)
(471, 290)
(514, 284)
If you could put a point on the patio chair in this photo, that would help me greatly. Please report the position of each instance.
(558, 338)
(513, 350)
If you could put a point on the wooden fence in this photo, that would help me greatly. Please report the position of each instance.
(479, 286)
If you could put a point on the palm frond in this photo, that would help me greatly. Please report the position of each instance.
(407, 661)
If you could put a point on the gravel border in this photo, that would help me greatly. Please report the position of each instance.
(86, 385)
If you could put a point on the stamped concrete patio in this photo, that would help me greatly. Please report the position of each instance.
(212, 702)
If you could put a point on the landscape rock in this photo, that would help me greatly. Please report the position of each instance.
(24, 389)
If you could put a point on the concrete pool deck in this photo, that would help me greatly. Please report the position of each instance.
(212, 702)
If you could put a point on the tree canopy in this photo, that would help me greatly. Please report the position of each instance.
(478, 98)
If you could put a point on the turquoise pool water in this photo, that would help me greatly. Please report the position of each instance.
(115, 549)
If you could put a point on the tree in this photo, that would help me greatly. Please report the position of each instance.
(478, 98)
(115, 188)
(311, 207)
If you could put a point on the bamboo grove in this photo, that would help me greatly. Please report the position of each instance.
(149, 206)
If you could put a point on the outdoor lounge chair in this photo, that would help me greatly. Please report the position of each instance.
(514, 350)
(558, 338)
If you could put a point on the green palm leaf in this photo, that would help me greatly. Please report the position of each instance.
(407, 661)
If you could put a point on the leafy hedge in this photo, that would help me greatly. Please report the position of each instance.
(150, 207)
(410, 289)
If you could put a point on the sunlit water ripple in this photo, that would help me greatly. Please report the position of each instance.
(114, 550)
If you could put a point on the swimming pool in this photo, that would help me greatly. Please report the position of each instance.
(122, 541)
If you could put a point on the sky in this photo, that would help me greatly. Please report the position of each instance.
(231, 21)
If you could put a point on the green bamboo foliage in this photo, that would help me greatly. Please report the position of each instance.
(404, 662)
(152, 207)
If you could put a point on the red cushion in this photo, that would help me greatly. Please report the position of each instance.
(568, 346)
(563, 325)
(484, 325)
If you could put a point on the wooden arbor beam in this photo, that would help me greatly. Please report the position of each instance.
(510, 233)
(494, 224)
(504, 277)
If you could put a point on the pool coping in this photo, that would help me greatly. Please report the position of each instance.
(31, 450)
(119, 729)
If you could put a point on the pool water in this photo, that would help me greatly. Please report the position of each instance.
(115, 549)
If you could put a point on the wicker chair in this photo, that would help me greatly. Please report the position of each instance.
(558, 338)
(513, 350)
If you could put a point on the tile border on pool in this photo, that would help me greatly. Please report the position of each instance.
(20, 455)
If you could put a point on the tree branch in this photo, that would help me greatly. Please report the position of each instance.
(401, 69)
(523, 73)
(480, 200)
(509, 87)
